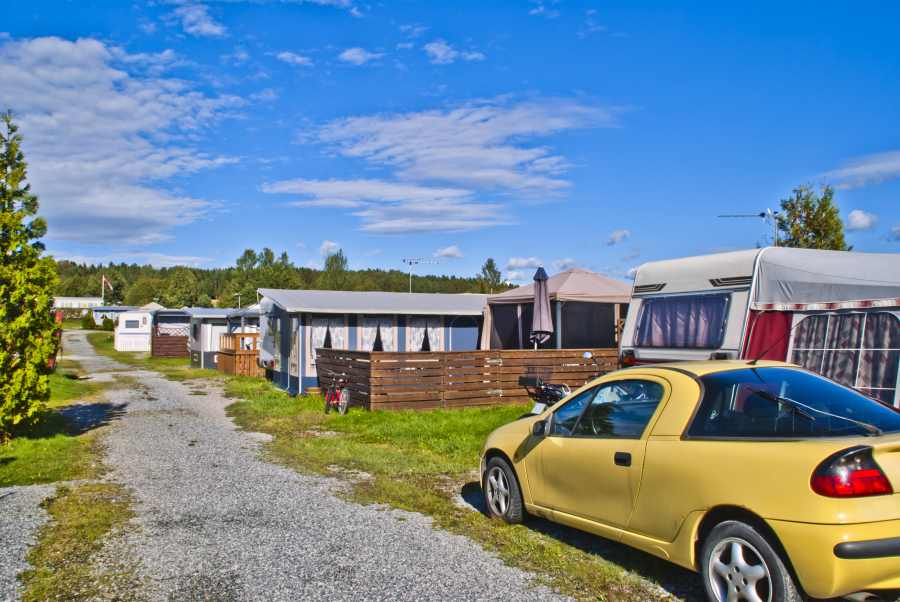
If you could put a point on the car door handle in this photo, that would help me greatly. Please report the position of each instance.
(622, 459)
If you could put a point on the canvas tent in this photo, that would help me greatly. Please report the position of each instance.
(833, 312)
(294, 323)
(586, 308)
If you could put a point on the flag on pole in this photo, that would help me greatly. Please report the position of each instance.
(105, 282)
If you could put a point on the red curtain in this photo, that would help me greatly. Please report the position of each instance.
(768, 328)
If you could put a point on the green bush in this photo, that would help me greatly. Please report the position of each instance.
(108, 324)
(87, 322)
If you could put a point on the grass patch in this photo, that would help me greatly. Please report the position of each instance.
(173, 369)
(414, 461)
(65, 559)
(49, 450)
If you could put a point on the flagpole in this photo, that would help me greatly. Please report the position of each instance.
(102, 291)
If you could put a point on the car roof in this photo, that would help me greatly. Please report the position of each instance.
(711, 366)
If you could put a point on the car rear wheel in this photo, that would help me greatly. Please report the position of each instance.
(740, 563)
(501, 492)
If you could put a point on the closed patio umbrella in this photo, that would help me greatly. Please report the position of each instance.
(542, 323)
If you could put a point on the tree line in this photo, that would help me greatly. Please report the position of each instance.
(181, 286)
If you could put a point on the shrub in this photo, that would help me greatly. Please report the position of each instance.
(108, 324)
(87, 322)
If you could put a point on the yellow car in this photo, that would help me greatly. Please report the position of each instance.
(769, 480)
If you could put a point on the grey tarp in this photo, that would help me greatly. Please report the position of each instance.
(572, 285)
(789, 278)
(339, 302)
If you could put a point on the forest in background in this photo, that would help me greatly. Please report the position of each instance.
(182, 286)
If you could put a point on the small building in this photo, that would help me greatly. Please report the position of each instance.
(205, 327)
(77, 302)
(112, 312)
(134, 331)
(586, 308)
(295, 323)
(170, 334)
(244, 320)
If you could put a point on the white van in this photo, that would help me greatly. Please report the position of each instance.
(836, 313)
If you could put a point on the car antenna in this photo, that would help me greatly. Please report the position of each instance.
(753, 363)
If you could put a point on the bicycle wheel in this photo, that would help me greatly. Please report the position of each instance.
(328, 401)
(343, 403)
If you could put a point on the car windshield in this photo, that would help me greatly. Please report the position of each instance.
(786, 403)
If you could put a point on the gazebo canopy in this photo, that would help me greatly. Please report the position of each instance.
(572, 285)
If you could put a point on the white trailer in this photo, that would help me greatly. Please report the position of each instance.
(134, 331)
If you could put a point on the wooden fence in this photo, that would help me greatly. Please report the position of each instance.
(424, 381)
(170, 347)
(237, 354)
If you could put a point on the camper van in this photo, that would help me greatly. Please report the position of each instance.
(833, 312)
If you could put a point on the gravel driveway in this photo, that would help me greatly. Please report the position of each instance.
(215, 522)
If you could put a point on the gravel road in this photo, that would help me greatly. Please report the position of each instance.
(215, 522)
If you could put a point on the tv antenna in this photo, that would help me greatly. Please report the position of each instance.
(411, 262)
(768, 213)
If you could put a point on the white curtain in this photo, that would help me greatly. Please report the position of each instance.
(336, 326)
(319, 329)
(417, 327)
(435, 333)
(369, 332)
(386, 324)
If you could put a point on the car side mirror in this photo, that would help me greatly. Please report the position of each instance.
(588, 355)
(539, 428)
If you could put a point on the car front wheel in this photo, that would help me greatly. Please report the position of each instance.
(740, 563)
(501, 492)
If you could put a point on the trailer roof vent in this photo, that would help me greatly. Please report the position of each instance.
(648, 288)
(733, 281)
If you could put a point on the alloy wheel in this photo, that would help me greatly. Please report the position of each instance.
(737, 571)
(498, 491)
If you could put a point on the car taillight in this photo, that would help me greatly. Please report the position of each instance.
(628, 358)
(851, 472)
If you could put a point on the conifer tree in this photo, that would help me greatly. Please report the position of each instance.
(812, 222)
(27, 329)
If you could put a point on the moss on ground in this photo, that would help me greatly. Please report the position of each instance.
(69, 561)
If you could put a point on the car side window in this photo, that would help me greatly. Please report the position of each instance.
(620, 409)
(565, 417)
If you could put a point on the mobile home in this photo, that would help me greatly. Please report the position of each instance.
(295, 323)
(206, 326)
(134, 331)
(833, 312)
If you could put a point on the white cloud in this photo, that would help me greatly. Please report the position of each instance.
(893, 233)
(148, 28)
(396, 209)
(406, 46)
(616, 237)
(635, 253)
(442, 53)
(630, 274)
(358, 56)
(414, 30)
(566, 264)
(548, 14)
(265, 95)
(373, 253)
(869, 170)
(312, 264)
(612, 272)
(860, 221)
(294, 59)
(517, 263)
(328, 248)
(449, 252)
(303, 246)
(480, 143)
(157, 260)
(101, 138)
(196, 20)
(515, 275)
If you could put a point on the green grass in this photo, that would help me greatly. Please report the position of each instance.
(414, 460)
(175, 370)
(65, 559)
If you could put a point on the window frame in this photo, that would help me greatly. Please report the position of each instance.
(137, 324)
(689, 295)
(647, 427)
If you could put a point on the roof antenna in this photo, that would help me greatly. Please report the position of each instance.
(411, 262)
(753, 363)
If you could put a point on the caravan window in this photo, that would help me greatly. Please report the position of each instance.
(860, 350)
(691, 321)
(131, 324)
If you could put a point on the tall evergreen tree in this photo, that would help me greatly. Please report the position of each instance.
(492, 276)
(812, 222)
(27, 329)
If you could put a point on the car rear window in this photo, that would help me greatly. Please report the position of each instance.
(785, 403)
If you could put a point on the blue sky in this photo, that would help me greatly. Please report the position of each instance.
(592, 134)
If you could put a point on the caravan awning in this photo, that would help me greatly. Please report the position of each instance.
(339, 302)
(811, 279)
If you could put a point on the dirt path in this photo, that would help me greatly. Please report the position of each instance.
(215, 522)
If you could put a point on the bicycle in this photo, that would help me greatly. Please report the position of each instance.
(337, 394)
